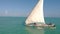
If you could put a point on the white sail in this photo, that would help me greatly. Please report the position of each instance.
(36, 16)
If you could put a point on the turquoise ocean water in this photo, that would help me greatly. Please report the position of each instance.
(16, 25)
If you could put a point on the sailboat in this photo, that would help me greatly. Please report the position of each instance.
(37, 15)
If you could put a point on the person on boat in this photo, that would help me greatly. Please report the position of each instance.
(50, 24)
(35, 24)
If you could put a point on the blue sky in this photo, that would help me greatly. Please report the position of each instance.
(24, 7)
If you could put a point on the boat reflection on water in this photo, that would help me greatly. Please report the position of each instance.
(34, 30)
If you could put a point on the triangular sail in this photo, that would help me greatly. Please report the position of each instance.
(36, 14)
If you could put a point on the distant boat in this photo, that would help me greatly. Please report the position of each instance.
(6, 12)
(37, 16)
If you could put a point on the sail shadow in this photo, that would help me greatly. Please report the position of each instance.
(34, 30)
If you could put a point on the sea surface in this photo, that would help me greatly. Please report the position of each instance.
(16, 25)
